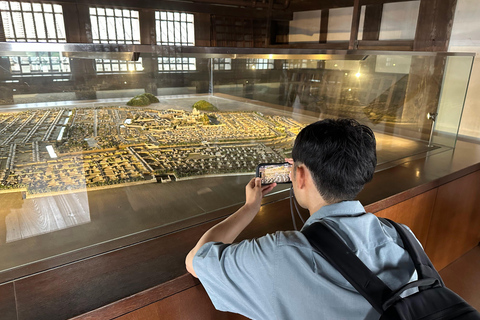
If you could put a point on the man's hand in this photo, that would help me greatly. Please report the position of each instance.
(254, 192)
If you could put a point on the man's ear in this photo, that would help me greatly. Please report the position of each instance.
(301, 176)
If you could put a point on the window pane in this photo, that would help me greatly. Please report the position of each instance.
(29, 25)
(15, 5)
(3, 5)
(18, 25)
(119, 25)
(26, 6)
(57, 8)
(47, 7)
(50, 26)
(37, 7)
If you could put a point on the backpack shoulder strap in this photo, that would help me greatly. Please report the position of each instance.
(423, 265)
(339, 255)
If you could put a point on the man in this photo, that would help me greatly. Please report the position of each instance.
(280, 276)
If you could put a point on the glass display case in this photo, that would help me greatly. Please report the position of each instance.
(105, 142)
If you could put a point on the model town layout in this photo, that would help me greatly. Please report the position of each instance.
(58, 149)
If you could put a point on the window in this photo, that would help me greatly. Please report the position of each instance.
(222, 64)
(175, 29)
(111, 25)
(259, 64)
(35, 22)
(106, 65)
(32, 22)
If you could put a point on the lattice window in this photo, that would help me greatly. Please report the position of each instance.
(110, 25)
(259, 64)
(35, 22)
(168, 64)
(106, 65)
(43, 63)
(222, 64)
(32, 22)
(175, 29)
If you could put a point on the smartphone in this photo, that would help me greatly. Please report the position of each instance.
(274, 172)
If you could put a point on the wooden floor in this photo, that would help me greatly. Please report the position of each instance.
(463, 277)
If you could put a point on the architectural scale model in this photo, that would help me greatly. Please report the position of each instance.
(55, 150)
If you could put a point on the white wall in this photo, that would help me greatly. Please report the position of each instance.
(466, 38)
(399, 20)
(305, 27)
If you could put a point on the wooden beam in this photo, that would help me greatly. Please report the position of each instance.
(308, 5)
(373, 21)
(355, 25)
(324, 26)
(434, 25)
(190, 7)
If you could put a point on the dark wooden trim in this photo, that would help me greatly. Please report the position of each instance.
(373, 21)
(308, 5)
(7, 301)
(435, 25)
(2, 31)
(141, 299)
(324, 26)
(387, 45)
(355, 25)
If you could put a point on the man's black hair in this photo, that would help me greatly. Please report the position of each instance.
(340, 154)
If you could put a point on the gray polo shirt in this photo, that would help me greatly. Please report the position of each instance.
(280, 276)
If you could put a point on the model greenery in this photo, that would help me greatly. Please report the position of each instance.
(204, 106)
(142, 100)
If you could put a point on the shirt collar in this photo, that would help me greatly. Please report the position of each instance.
(337, 209)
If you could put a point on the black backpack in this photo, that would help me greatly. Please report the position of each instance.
(432, 301)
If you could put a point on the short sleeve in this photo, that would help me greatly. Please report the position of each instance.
(239, 277)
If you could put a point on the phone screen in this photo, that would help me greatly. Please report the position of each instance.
(274, 172)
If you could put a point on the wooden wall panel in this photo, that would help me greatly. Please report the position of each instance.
(191, 304)
(416, 213)
(455, 224)
(7, 301)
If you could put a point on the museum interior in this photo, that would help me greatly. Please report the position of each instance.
(129, 128)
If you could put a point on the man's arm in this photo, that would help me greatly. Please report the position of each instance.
(229, 229)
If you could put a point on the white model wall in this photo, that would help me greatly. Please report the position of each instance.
(466, 38)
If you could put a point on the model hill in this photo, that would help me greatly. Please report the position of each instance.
(142, 100)
(204, 106)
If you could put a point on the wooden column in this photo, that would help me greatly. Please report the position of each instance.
(434, 25)
(6, 93)
(148, 36)
(76, 18)
(355, 25)
(324, 26)
(373, 20)
(78, 30)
